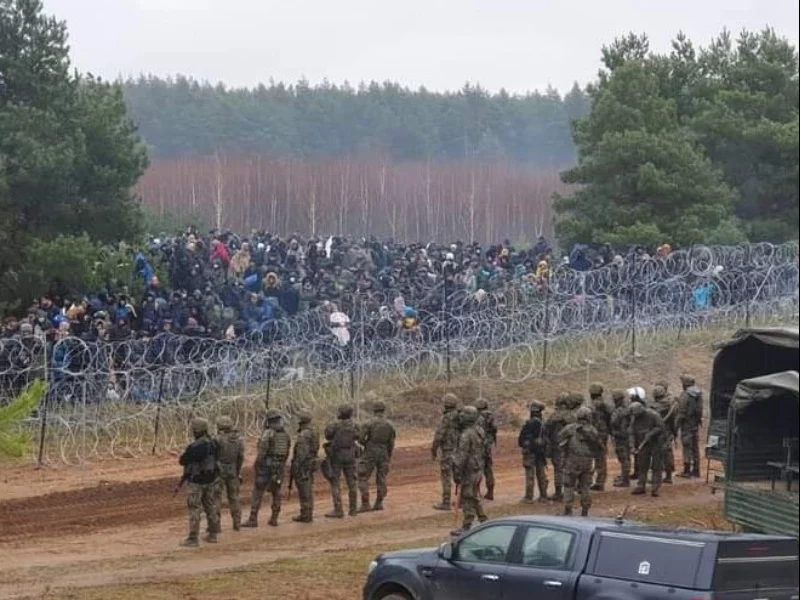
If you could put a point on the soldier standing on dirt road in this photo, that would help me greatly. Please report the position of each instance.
(231, 458)
(534, 453)
(620, 431)
(601, 419)
(342, 436)
(690, 419)
(666, 408)
(304, 463)
(560, 418)
(468, 468)
(580, 445)
(200, 469)
(444, 445)
(377, 437)
(647, 434)
(273, 450)
(486, 422)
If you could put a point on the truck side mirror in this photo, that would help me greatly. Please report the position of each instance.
(446, 551)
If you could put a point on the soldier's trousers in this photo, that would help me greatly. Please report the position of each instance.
(650, 459)
(304, 481)
(203, 499)
(535, 473)
(370, 463)
(229, 485)
(691, 446)
(348, 470)
(470, 500)
(669, 456)
(623, 452)
(558, 468)
(266, 483)
(578, 476)
(488, 469)
(601, 464)
(446, 476)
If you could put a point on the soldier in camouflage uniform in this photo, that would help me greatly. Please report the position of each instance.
(532, 442)
(200, 469)
(468, 468)
(377, 439)
(486, 422)
(273, 450)
(647, 434)
(304, 464)
(666, 408)
(601, 419)
(620, 423)
(560, 418)
(580, 445)
(690, 419)
(231, 458)
(444, 445)
(342, 436)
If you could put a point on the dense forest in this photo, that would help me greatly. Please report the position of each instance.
(181, 117)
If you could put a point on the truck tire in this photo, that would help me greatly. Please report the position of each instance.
(395, 596)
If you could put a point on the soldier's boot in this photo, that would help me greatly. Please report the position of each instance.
(597, 487)
(190, 542)
(568, 511)
(237, 522)
(378, 504)
(252, 521)
(336, 513)
(444, 505)
(559, 495)
(273, 519)
(654, 493)
(353, 512)
(622, 482)
(211, 537)
(303, 517)
(584, 511)
(489, 493)
(638, 490)
(667, 478)
(695, 472)
(365, 507)
(687, 470)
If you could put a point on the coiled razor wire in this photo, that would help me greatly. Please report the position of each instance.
(104, 397)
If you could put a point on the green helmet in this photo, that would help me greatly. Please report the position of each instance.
(562, 400)
(595, 389)
(345, 412)
(687, 381)
(199, 426)
(450, 401)
(304, 418)
(481, 404)
(584, 413)
(378, 407)
(575, 400)
(469, 414)
(224, 424)
(659, 391)
(273, 415)
(663, 383)
(618, 396)
(536, 406)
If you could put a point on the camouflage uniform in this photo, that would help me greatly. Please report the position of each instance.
(468, 467)
(377, 438)
(273, 450)
(534, 452)
(601, 419)
(666, 408)
(342, 438)
(620, 422)
(486, 422)
(647, 434)
(231, 458)
(444, 445)
(560, 418)
(200, 469)
(581, 444)
(690, 418)
(304, 463)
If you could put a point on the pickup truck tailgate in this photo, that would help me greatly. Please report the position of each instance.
(756, 570)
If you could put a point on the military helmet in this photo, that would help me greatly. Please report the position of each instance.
(450, 401)
(273, 414)
(575, 400)
(562, 400)
(345, 412)
(584, 413)
(304, 418)
(481, 404)
(224, 423)
(469, 414)
(663, 383)
(687, 380)
(595, 389)
(637, 408)
(618, 396)
(659, 392)
(378, 407)
(199, 426)
(536, 406)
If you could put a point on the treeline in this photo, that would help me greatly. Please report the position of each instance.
(180, 117)
(407, 201)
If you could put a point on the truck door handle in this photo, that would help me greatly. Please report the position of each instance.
(427, 572)
(490, 577)
(552, 585)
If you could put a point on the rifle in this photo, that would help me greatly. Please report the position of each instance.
(184, 479)
(291, 482)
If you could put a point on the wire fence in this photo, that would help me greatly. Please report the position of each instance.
(132, 398)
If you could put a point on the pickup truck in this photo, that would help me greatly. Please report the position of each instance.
(564, 558)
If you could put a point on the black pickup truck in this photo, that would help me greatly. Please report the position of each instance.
(563, 558)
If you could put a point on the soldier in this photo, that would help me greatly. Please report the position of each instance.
(304, 463)
(342, 436)
(667, 410)
(620, 422)
(377, 438)
(647, 435)
(444, 445)
(580, 444)
(635, 395)
(273, 450)
(468, 468)
(690, 419)
(534, 452)
(486, 422)
(601, 419)
(231, 458)
(200, 469)
(552, 428)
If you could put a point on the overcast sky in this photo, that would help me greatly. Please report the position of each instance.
(517, 44)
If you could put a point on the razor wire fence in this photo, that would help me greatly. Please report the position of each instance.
(135, 397)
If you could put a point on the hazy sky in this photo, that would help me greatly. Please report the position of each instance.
(517, 44)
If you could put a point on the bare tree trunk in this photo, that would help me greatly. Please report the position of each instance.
(218, 201)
